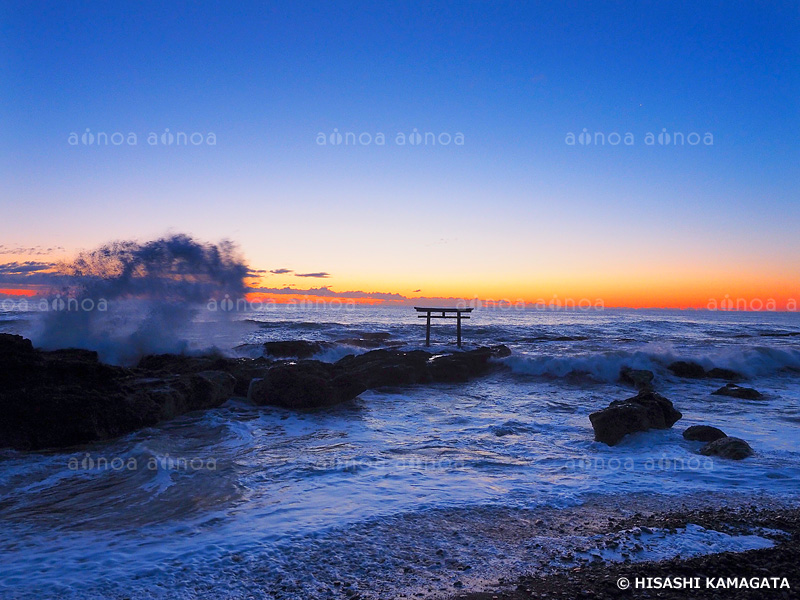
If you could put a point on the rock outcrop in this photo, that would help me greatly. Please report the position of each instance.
(647, 410)
(728, 447)
(295, 348)
(641, 379)
(312, 384)
(719, 373)
(305, 384)
(68, 397)
(737, 391)
(243, 370)
(683, 368)
(371, 340)
(703, 433)
(693, 370)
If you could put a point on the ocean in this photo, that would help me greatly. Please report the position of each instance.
(374, 497)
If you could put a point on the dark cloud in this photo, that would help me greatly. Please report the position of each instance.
(30, 275)
(281, 271)
(329, 293)
(24, 268)
(319, 275)
(32, 251)
(388, 297)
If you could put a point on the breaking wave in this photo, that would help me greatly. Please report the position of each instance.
(143, 296)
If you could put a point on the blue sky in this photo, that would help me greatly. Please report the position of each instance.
(513, 77)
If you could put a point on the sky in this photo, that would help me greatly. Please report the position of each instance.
(499, 199)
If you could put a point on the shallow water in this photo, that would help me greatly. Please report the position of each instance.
(244, 500)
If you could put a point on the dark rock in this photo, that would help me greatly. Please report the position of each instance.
(68, 397)
(727, 374)
(294, 348)
(305, 384)
(728, 447)
(11, 344)
(312, 384)
(737, 391)
(243, 370)
(380, 368)
(371, 340)
(178, 394)
(647, 410)
(703, 433)
(691, 370)
(641, 379)
(462, 366)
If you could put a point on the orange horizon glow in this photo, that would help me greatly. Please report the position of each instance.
(737, 300)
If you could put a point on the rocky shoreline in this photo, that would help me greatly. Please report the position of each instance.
(63, 398)
(754, 574)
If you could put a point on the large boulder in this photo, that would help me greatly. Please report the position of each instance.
(683, 368)
(647, 410)
(294, 348)
(720, 373)
(736, 391)
(313, 384)
(371, 340)
(693, 370)
(243, 370)
(67, 397)
(703, 433)
(305, 384)
(728, 447)
(380, 368)
(462, 366)
(641, 379)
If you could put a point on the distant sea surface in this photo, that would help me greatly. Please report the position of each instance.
(269, 490)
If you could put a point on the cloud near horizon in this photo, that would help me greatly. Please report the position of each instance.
(33, 251)
(320, 275)
(29, 275)
(327, 292)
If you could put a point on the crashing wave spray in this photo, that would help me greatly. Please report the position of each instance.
(151, 292)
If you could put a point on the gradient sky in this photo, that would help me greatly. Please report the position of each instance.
(514, 212)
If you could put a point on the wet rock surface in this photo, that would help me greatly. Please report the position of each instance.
(693, 370)
(647, 410)
(295, 348)
(703, 433)
(312, 384)
(641, 379)
(683, 368)
(736, 391)
(600, 579)
(728, 447)
(68, 397)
